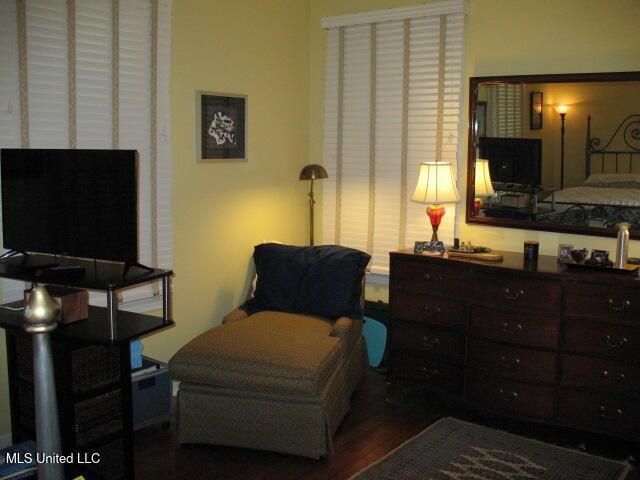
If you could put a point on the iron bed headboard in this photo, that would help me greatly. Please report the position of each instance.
(625, 142)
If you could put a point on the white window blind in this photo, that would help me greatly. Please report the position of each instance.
(97, 77)
(504, 110)
(392, 84)
(9, 101)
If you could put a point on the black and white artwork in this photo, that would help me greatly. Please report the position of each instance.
(223, 126)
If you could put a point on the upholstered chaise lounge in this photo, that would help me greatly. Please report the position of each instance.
(271, 380)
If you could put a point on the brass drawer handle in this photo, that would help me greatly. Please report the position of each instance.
(435, 278)
(434, 372)
(621, 378)
(430, 342)
(431, 312)
(511, 327)
(603, 413)
(512, 294)
(624, 305)
(506, 363)
(509, 396)
(621, 342)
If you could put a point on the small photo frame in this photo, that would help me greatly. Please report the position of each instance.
(564, 252)
(221, 128)
(599, 256)
(535, 111)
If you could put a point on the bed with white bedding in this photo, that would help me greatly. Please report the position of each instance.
(619, 189)
(611, 192)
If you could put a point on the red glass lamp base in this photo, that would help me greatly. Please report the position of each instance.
(435, 213)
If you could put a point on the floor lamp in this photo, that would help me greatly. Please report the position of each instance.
(562, 110)
(312, 172)
(40, 313)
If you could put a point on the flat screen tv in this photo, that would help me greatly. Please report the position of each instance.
(78, 203)
(513, 160)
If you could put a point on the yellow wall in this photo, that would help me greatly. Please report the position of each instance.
(509, 37)
(222, 210)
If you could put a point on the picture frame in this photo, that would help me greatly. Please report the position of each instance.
(564, 252)
(535, 111)
(221, 127)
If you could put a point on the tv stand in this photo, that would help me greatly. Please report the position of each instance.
(11, 253)
(92, 360)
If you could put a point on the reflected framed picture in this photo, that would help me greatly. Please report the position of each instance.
(221, 127)
(535, 111)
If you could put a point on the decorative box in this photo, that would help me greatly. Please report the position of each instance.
(73, 303)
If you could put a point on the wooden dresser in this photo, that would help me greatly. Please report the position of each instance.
(532, 341)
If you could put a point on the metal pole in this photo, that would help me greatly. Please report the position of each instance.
(562, 115)
(40, 314)
(47, 428)
(311, 221)
(112, 312)
(166, 299)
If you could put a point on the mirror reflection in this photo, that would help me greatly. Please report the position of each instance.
(558, 153)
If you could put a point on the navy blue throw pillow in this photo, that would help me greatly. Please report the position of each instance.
(332, 286)
(324, 281)
(280, 269)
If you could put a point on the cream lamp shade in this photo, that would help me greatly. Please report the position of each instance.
(483, 185)
(436, 184)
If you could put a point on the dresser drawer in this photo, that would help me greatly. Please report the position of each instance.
(600, 374)
(429, 278)
(430, 309)
(427, 371)
(516, 363)
(441, 343)
(607, 413)
(608, 301)
(501, 289)
(609, 339)
(514, 397)
(522, 329)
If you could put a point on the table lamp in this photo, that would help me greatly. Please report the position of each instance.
(312, 172)
(436, 185)
(482, 185)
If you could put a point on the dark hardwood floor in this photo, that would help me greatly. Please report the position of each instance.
(370, 430)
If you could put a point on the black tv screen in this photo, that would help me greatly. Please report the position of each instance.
(79, 203)
(513, 160)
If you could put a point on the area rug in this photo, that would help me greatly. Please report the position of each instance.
(451, 449)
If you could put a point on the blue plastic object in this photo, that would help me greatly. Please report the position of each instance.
(375, 334)
(136, 354)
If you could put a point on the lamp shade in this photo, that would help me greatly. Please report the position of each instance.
(561, 109)
(436, 184)
(313, 172)
(483, 185)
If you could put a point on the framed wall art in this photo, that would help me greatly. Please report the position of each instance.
(535, 111)
(221, 127)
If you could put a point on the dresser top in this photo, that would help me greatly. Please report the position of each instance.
(546, 264)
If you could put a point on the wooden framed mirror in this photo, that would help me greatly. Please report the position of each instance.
(576, 171)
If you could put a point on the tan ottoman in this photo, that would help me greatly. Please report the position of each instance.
(271, 381)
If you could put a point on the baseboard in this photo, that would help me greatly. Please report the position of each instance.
(5, 440)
